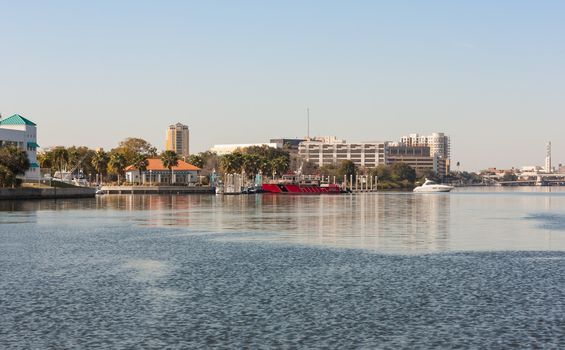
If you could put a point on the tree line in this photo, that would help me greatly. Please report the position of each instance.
(108, 165)
(251, 160)
(395, 176)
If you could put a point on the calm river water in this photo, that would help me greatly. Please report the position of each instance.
(476, 268)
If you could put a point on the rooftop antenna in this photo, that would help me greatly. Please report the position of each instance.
(308, 119)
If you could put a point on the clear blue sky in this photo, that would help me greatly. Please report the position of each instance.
(489, 73)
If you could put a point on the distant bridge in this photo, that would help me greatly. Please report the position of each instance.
(540, 180)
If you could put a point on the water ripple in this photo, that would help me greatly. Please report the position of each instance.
(549, 221)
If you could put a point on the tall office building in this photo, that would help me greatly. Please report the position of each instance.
(178, 139)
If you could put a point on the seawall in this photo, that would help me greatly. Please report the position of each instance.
(157, 189)
(46, 193)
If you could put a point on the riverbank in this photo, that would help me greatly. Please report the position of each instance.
(46, 193)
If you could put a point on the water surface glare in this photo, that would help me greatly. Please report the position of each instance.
(471, 269)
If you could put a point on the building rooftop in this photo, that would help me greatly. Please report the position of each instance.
(156, 164)
(16, 119)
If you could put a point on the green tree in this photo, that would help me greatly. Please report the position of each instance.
(140, 162)
(60, 157)
(382, 172)
(100, 162)
(427, 174)
(80, 158)
(117, 164)
(232, 162)
(45, 159)
(266, 151)
(211, 162)
(170, 159)
(309, 168)
(265, 166)
(251, 164)
(329, 170)
(403, 171)
(7, 177)
(132, 147)
(196, 160)
(13, 162)
(280, 165)
(347, 168)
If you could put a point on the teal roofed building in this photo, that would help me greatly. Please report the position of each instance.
(16, 119)
(21, 132)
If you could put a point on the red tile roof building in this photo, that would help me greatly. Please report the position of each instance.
(157, 173)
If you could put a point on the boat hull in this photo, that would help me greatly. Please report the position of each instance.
(297, 189)
(433, 189)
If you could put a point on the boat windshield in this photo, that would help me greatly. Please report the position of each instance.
(430, 182)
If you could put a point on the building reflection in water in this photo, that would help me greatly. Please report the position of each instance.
(372, 221)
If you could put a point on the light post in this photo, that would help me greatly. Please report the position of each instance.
(150, 177)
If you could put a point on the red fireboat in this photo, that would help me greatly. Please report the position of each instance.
(295, 184)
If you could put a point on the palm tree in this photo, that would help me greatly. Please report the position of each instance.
(45, 159)
(232, 163)
(251, 163)
(117, 164)
(61, 158)
(265, 165)
(140, 163)
(100, 162)
(170, 159)
(196, 159)
(279, 165)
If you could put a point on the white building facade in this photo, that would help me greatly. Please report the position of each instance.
(22, 133)
(438, 142)
(230, 148)
(364, 154)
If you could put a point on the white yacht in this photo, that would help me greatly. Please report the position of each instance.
(431, 186)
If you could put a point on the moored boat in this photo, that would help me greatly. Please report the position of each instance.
(297, 185)
(430, 186)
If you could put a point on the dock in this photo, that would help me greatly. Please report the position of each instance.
(157, 189)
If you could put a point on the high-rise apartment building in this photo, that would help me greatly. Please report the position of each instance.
(439, 143)
(178, 138)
